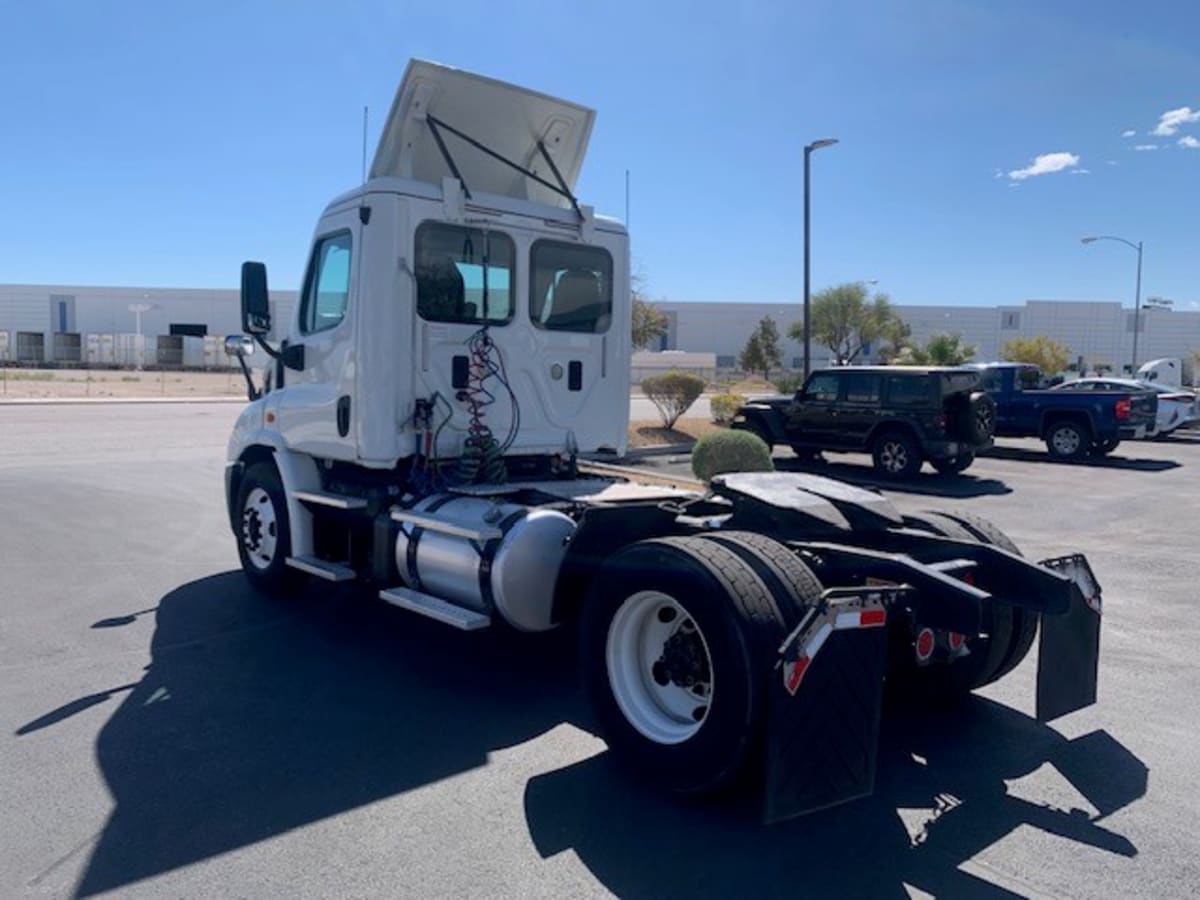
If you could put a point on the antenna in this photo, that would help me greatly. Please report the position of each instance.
(626, 199)
(364, 211)
(364, 151)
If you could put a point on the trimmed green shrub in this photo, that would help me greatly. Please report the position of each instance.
(789, 382)
(725, 406)
(730, 451)
(673, 393)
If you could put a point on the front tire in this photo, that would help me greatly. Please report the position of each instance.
(263, 533)
(896, 455)
(675, 638)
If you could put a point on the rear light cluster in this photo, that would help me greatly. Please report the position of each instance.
(1123, 407)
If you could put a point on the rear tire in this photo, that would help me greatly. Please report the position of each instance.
(1068, 440)
(675, 638)
(896, 455)
(1105, 447)
(1025, 621)
(987, 653)
(954, 464)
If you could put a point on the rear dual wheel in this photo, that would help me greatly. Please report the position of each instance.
(676, 639)
(1006, 632)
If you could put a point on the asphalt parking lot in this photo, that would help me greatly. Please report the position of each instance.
(166, 732)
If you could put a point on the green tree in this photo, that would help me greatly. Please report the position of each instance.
(845, 320)
(649, 323)
(1045, 353)
(762, 352)
(939, 350)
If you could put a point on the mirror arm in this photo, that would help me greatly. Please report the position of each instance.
(267, 348)
(252, 393)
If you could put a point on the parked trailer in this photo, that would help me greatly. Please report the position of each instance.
(31, 348)
(100, 350)
(430, 432)
(129, 350)
(5, 347)
(68, 348)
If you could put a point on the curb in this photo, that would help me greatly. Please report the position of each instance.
(96, 401)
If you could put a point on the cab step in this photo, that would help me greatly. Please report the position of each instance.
(435, 608)
(322, 568)
(334, 501)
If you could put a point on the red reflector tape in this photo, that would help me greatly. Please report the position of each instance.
(872, 618)
(793, 673)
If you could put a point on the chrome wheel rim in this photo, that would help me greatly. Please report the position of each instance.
(1066, 441)
(894, 456)
(659, 667)
(260, 529)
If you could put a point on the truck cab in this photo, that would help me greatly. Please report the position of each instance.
(449, 260)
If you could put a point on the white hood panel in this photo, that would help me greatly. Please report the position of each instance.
(507, 119)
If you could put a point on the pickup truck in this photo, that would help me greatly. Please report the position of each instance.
(902, 415)
(1074, 424)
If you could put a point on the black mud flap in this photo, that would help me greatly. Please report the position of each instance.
(825, 698)
(1069, 647)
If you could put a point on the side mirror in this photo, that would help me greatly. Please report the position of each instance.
(239, 345)
(256, 307)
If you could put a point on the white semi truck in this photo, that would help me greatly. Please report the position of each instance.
(438, 425)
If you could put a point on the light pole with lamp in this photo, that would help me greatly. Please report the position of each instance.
(1137, 296)
(137, 309)
(808, 149)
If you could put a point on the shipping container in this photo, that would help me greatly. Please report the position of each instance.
(67, 348)
(129, 350)
(31, 348)
(169, 350)
(100, 350)
(193, 352)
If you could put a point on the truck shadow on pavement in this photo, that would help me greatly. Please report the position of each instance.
(258, 716)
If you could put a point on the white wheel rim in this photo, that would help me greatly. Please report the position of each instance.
(648, 625)
(260, 529)
(893, 456)
(1066, 440)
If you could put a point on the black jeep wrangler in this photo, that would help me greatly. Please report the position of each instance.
(902, 416)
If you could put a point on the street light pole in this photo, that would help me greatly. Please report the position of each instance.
(808, 149)
(1137, 296)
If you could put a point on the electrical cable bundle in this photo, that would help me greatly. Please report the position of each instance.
(482, 456)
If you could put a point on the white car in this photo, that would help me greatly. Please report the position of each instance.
(1177, 407)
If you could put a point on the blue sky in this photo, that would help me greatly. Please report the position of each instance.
(163, 143)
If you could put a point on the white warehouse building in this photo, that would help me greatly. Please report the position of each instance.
(1099, 331)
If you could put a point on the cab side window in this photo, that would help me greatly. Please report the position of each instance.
(327, 287)
(862, 388)
(822, 388)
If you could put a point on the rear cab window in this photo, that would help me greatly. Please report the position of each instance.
(570, 287)
(464, 274)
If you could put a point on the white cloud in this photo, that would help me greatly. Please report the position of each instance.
(1111, 162)
(1169, 122)
(1188, 141)
(1129, 132)
(1045, 164)
(997, 173)
(1146, 147)
(1081, 171)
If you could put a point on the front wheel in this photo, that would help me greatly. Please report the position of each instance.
(675, 640)
(896, 455)
(264, 538)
